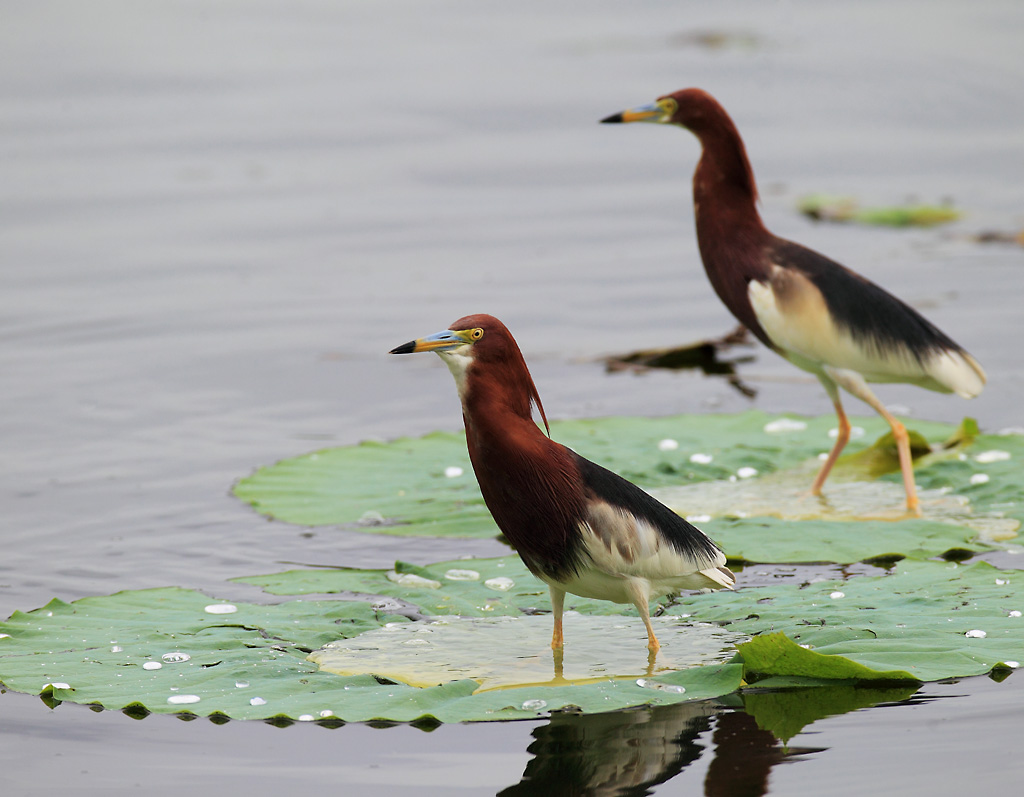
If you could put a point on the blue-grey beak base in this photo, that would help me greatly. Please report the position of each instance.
(439, 341)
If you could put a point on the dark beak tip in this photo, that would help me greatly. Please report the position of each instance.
(405, 348)
(615, 117)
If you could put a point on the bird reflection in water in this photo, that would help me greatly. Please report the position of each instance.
(631, 752)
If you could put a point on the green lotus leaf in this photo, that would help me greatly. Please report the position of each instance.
(733, 475)
(471, 588)
(173, 650)
(929, 619)
(777, 654)
(823, 207)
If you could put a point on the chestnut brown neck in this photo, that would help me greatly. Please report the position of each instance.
(530, 483)
(724, 189)
(733, 240)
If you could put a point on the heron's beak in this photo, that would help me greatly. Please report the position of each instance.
(439, 341)
(658, 112)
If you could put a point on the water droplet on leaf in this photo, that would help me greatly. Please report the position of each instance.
(221, 608)
(412, 580)
(785, 425)
(647, 684)
(462, 575)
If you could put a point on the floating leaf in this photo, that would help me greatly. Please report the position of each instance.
(519, 651)
(468, 598)
(95, 651)
(695, 464)
(176, 651)
(105, 650)
(252, 663)
(916, 619)
(822, 207)
(777, 654)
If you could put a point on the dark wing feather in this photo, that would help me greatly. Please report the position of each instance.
(684, 538)
(873, 317)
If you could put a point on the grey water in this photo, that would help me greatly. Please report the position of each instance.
(217, 218)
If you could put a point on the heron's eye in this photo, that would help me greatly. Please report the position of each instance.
(476, 334)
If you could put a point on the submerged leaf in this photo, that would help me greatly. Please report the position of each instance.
(822, 207)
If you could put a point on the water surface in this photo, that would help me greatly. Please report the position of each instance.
(218, 218)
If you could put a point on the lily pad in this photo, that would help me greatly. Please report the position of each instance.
(519, 651)
(162, 651)
(178, 651)
(715, 463)
(928, 619)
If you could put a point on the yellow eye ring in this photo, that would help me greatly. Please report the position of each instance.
(476, 334)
